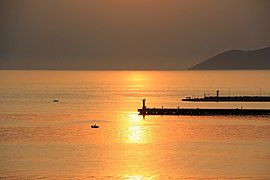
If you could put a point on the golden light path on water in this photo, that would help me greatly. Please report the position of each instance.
(137, 178)
(136, 132)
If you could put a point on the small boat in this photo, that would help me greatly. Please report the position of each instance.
(94, 126)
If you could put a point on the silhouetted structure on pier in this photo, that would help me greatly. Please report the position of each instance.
(229, 98)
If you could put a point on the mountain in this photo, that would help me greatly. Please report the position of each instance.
(237, 60)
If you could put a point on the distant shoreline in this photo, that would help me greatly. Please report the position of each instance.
(237, 60)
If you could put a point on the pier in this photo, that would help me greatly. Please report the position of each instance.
(218, 98)
(200, 112)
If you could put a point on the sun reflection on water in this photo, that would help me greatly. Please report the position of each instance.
(134, 118)
(137, 76)
(137, 178)
(135, 134)
(137, 131)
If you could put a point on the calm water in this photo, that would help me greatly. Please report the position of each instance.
(42, 139)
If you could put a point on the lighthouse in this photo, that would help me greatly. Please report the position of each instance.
(143, 106)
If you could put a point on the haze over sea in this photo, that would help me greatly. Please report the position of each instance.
(43, 139)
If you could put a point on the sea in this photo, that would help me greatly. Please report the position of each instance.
(43, 139)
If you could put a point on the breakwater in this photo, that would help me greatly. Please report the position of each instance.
(218, 98)
(197, 111)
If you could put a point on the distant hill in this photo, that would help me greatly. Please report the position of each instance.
(238, 60)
